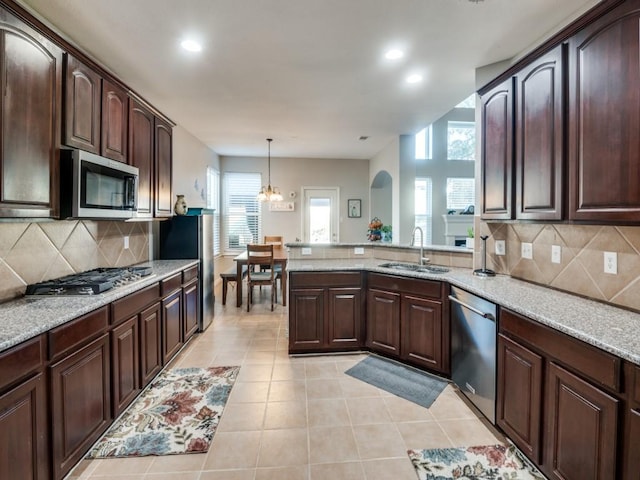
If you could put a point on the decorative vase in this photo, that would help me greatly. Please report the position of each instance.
(180, 208)
(470, 242)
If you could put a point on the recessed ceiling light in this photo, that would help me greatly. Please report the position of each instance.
(415, 78)
(394, 54)
(191, 46)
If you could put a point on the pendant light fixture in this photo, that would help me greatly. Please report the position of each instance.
(268, 193)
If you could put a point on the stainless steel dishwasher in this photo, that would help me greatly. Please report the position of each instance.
(473, 349)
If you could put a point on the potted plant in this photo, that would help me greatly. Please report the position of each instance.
(470, 237)
(386, 233)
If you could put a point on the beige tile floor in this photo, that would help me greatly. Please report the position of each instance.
(294, 418)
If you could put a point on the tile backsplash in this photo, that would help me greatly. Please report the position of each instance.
(33, 252)
(581, 269)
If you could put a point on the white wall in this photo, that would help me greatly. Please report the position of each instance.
(389, 159)
(191, 158)
(291, 174)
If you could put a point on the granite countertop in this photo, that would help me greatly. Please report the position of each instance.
(433, 248)
(604, 326)
(28, 317)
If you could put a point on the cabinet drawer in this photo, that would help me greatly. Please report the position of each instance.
(78, 331)
(423, 288)
(170, 284)
(585, 359)
(189, 274)
(19, 361)
(132, 304)
(325, 279)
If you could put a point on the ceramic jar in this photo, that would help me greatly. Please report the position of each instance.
(180, 208)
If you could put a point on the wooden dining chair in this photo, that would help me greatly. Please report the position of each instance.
(278, 242)
(261, 256)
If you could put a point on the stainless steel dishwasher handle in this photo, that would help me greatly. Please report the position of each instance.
(474, 310)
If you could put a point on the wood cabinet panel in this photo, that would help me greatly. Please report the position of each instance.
(125, 364)
(519, 399)
(163, 169)
(539, 126)
(80, 403)
(497, 152)
(191, 299)
(581, 428)
(24, 431)
(421, 331)
(130, 305)
(604, 118)
(150, 343)
(72, 334)
(344, 318)
(306, 319)
(632, 440)
(171, 326)
(141, 154)
(115, 121)
(82, 107)
(21, 361)
(383, 322)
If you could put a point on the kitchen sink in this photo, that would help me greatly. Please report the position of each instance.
(412, 267)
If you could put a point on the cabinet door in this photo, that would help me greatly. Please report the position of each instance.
(519, 396)
(24, 432)
(140, 146)
(344, 318)
(421, 332)
(306, 319)
(632, 441)
(383, 322)
(80, 403)
(191, 297)
(31, 82)
(82, 105)
(581, 428)
(163, 159)
(604, 118)
(115, 114)
(125, 364)
(171, 326)
(497, 152)
(150, 343)
(540, 138)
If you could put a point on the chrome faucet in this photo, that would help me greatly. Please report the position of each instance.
(413, 241)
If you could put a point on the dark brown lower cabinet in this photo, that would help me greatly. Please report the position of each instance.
(171, 326)
(421, 329)
(344, 318)
(125, 355)
(190, 298)
(519, 401)
(581, 429)
(383, 322)
(24, 432)
(632, 440)
(306, 319)
(150, 343)
(80, 403)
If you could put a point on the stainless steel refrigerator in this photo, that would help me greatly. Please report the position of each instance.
(191, 236)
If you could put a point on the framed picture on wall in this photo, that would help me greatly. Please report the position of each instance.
(353, 208)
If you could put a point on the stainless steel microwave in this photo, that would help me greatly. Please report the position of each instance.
(92, 186)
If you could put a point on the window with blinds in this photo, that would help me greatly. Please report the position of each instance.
(423, 204)
(460, 193)
(242, 211)
(213, 201)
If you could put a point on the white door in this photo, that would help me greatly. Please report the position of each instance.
(320, 215)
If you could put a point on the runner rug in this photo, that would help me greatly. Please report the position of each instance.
(490, 462)
(401, 380)
(177, 413)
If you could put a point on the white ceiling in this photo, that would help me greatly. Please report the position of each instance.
(308, 73)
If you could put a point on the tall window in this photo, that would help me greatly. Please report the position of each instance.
(424, 144)
(423, 203)
(242, 211)
(461, 192)
(461, 140)
(213, 201)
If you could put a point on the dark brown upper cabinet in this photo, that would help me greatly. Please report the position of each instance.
(604, 118)
(141, 144)
(539, 123)
(96, 112)
(497, 152)
(31, 74)
(163, 165)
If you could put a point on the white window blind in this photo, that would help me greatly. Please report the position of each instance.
(213, 201)
(242, 211)
(423, 204)
(460, 193)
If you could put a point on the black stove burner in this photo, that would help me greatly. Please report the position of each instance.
(91, 282)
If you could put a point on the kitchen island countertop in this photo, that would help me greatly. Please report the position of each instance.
(610, 328)
(28, 317)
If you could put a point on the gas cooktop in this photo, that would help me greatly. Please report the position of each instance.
(92, 282)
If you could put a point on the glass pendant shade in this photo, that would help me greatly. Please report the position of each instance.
(269, 193)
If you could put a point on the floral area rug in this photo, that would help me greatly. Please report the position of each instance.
(490, 462)
(177, 413)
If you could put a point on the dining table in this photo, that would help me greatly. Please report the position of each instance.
(280, 257)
